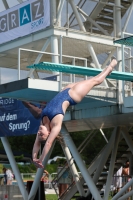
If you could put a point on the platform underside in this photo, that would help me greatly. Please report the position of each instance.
(125, 119)
(43, 91)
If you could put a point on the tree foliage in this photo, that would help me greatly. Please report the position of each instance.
(24, 144)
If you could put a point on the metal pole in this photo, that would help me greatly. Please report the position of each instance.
(59, 12)
(103, 135)
(87, 142)
(92, 21)
(80, 163)
(52, 12)
(128, 138)
(67, 14)
(85, 64)
(104, 157)
(96, 162)
(5, 4)
(130, 67)
(108, 58)
(95, 60)
(14, 167)
(73, 63)
(128, 17)
(82, 28)
(19, 63)
(60, 85)
(129, 194)
(39, 56)
(116, 197)
(54, 49)
(111, 167)
(119, 54)
(73, 170)
(39, 175)
(123, 67)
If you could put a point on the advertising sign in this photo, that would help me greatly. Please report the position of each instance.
(24, 19)
(16, 119)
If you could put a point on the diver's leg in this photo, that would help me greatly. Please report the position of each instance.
(81, 89)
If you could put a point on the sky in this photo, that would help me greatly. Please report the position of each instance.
(12, 74)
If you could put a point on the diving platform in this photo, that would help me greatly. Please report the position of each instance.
(38, 90)
(90, 114)
(128, 41)
(87, 71)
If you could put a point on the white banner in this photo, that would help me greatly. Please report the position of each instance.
(24, 19)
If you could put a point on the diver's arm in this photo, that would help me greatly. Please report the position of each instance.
(36, 149)
(53, 134)
(35, 111)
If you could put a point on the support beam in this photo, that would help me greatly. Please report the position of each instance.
(54, 50)
(73, 170)
(124, 189)
(14, 167)
(39, 175)
(87, 141)
(81, 25)
(108, 58)
(39, 56)
(128, 17)
(80, 163)
(128, 138)
(104, 156)
(117, 21)
(103, 135)
(112, 163)
(5, 4)
(20, 1)
(52, 12)
(59, 12)
(95, 60)
(92, 21)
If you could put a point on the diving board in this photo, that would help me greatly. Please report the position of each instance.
(71, 69)
(128, 41)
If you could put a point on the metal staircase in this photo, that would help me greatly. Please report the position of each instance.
(102, 14)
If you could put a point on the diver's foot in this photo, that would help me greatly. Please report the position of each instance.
(112, 65)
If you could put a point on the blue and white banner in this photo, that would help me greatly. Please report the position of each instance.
(24, 19)
(16, 119)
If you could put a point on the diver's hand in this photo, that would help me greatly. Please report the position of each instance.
(37, 163)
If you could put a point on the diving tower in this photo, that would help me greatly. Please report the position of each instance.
(86, 42)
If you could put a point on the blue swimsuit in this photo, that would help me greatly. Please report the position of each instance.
(54, 107)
